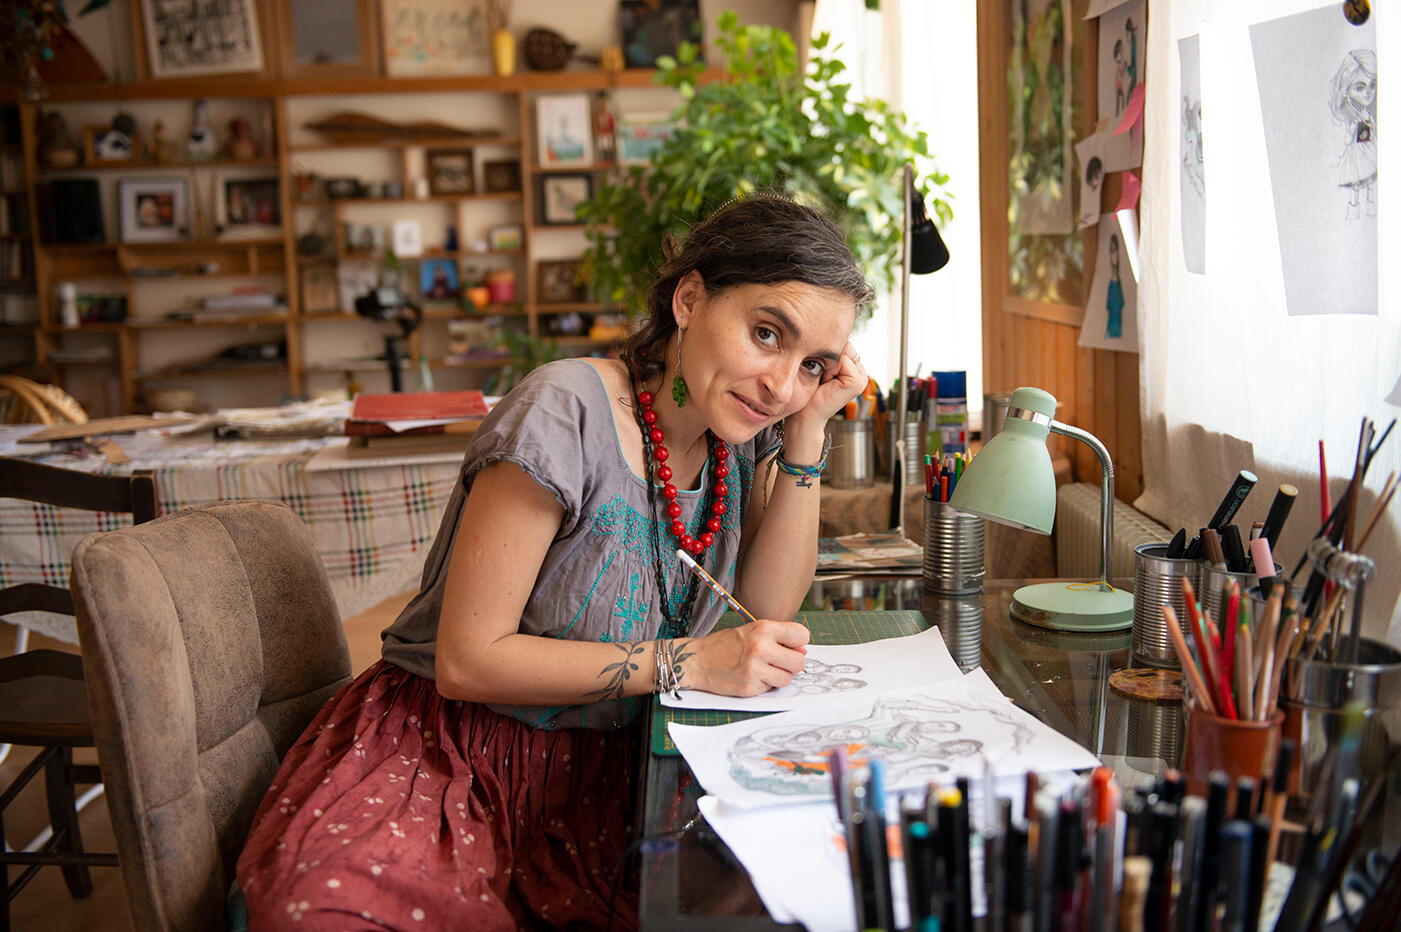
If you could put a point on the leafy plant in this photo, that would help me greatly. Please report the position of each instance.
(764, 125)
(526, 351)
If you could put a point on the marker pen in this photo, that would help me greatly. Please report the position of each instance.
(1018, 874)
(1279, 511)
(1192, 814)
(1235, 848)
(1070, 848)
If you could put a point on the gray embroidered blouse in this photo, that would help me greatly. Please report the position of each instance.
(598, 580)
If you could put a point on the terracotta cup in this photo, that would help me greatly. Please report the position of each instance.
(1238, 748)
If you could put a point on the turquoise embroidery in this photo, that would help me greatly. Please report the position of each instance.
(588, 596)
(630, 608)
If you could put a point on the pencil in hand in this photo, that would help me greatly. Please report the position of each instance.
(714, 586)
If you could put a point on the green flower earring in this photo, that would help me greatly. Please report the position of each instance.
(678, 384)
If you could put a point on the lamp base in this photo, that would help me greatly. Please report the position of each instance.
(1073, 606)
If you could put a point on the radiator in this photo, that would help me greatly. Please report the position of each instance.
(1077, 533)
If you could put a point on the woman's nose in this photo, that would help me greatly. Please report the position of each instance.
(778, 381)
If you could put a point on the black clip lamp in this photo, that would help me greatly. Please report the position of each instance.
(924, 252)
(388, 303)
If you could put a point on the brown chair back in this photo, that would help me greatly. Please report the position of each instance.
(210, 639)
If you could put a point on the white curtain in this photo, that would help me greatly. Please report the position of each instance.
(921, 57)
(1230, 380)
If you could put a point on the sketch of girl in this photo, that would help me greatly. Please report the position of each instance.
(1114, 297)
(1352, 98)
(1125, 67)
(819, 678)
(1193, 155)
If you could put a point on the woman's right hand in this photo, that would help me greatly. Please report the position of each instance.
(747, 660)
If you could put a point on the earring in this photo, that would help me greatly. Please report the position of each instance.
(678, 384)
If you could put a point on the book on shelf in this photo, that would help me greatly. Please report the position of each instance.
(405, 414)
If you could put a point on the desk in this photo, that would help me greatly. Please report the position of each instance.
(695, 883)
(372, 521)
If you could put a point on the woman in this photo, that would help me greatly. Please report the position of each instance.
(478, 776)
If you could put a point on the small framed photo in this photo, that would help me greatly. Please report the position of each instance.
(564, 132)
(560, 282)
(501, 176)
(560, 195)
(319, 292)
(639, 136)
(450, 171)
(245, 206)
(438, 280)
(507, 237)
(408, 238)
(109, 147)
(154, 210)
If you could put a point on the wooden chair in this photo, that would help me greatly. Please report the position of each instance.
(23, 401)
(42, 698)
(210, 640)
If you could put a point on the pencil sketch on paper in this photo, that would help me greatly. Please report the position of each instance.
(1191, 157)
(1352, 99)
(915, 735)
(818, 678)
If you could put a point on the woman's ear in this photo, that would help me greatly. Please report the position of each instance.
(687, 298)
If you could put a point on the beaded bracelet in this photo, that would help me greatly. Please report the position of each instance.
(811, 472)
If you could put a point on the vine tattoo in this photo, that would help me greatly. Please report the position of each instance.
(678, 652)
(618, 673)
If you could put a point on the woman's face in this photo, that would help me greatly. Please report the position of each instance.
(1362, 90)
(754, 354)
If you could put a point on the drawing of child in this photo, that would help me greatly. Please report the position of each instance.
(1125, 67)
(1114, 297)
(1352, 99)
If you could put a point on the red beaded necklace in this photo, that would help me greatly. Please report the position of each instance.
(654, 450)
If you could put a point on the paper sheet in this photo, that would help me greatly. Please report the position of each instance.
(1192, 156)
(1122, 69)
(938, 732)
(1089, 153)
(855, 670)
(1111, 312)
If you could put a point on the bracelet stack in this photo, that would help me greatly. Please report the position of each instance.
(811, 472)
(664, 678)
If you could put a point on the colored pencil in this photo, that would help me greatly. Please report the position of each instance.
(1184, 657)
(715, 586)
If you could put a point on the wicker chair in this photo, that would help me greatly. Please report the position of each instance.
(23, 401)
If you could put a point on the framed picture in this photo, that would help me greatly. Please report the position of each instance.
(408, 238)
(245, 206)
(563, 129)
(438, 280)
(154, 210)
(435, 37)
(329, 38)
(652, 28)
(505, 237)
(319, 293)
(559, 282)
(109, 146)
(184, 38)
(450, 171)
(501, 176)
(639, 136)
(560, 195)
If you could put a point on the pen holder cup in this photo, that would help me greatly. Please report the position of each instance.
(1259, 601)
(851, 463)
(953, 550)
(914, 449)
(1211, 588)
(1315, 697)
(1238, 748)
(1158, 580)
(959, 619)
(1154, 730)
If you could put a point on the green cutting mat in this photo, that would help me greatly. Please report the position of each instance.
(826, 628)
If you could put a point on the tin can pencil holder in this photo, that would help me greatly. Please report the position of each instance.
(914, 450)
(1158, 580)
(959, 619)
(851, 462)
(953, 549)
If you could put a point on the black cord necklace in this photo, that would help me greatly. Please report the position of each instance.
(676, 625)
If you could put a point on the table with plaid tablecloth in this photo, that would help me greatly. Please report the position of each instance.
(373, 521)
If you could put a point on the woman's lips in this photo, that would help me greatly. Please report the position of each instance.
(752, 410)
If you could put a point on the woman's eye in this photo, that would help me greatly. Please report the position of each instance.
(814, 367)
(765, 335)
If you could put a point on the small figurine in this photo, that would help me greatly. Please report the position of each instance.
(201, 145)
(604, 127)
(240, 144)
(159, 148)
(56, 146)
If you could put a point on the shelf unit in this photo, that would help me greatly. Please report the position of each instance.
(18, 305)
(322, 344)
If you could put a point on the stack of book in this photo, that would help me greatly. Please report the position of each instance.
(400, 418)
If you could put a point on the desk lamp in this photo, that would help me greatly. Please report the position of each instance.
(924, 252)
(1011, 481)
(386, 302)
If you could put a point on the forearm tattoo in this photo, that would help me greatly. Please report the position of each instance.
(617, 674)
(677, 653)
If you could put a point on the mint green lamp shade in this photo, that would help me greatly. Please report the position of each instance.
(1011, 481)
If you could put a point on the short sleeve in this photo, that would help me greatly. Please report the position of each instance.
(540, 426)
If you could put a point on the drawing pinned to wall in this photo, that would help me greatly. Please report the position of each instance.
(1122, 68)
(184, 38)
(1111, 314)
(1317, 76)
(435, 37)
(1089, 154)
(843, 669)
(1192, 156)
(946, 730)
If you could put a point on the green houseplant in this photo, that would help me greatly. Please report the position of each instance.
(764, 125)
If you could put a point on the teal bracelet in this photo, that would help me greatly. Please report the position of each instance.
(811, 472)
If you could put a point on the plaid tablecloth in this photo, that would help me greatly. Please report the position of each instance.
(372, 524)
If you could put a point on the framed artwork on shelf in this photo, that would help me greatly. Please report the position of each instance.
(560, 195)
(185, 39)
(559, 282)
(639, 136)
(154, 210)
(564, 132)
(505, 237)
(408, 238)
(501, 176)
(102, 144)
(438, 280)
(247, 207)
(435, 37)
(323, 41)
(450, 171)
(652, 28)
(319, 292)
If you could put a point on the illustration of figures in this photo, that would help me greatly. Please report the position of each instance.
(1193, 155)
(819, 678)
(1094, 173)
(1114, 299)
(1352, 99)
(1125, 67)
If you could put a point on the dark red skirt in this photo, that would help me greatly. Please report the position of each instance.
(400, 809)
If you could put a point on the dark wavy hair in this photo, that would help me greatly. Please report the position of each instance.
(763, 239)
